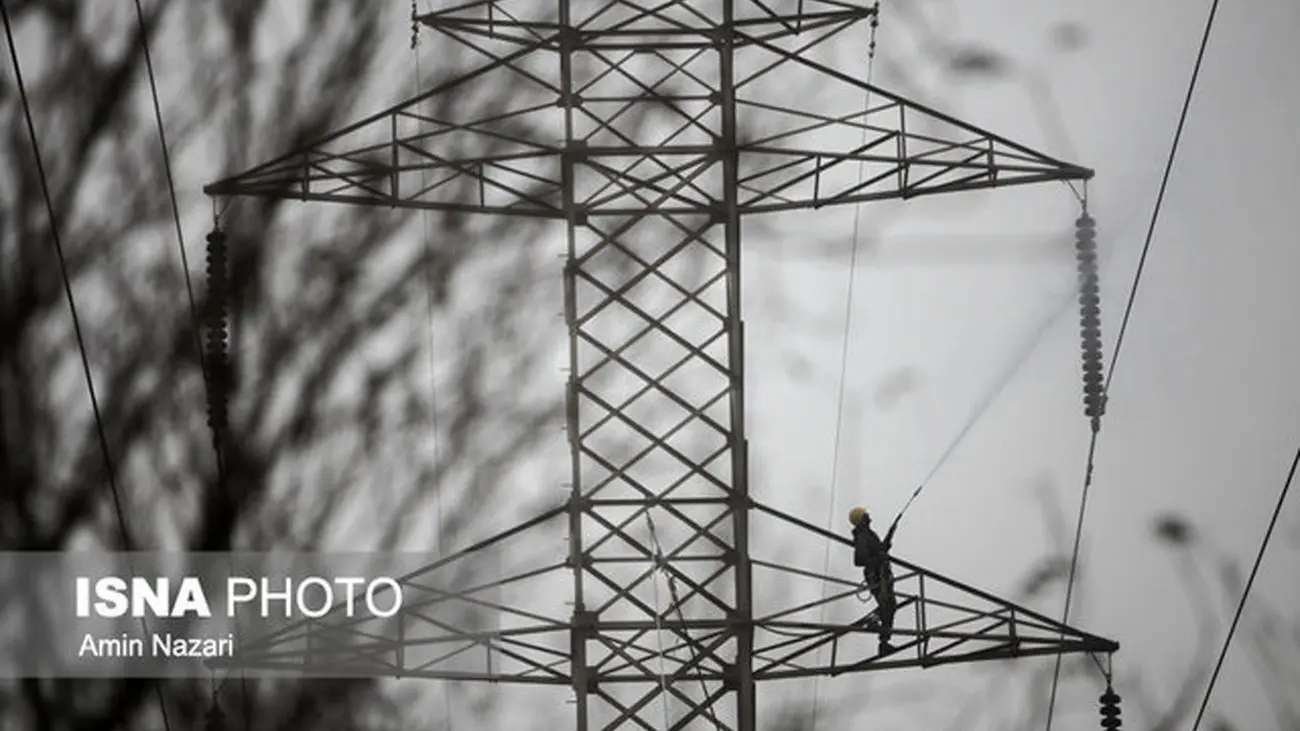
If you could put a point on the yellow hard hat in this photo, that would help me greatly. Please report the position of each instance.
(856, 514)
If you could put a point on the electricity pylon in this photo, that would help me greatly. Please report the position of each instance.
(628, 131)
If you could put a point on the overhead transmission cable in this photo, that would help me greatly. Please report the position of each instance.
(1241, 605)
(171, 190)
(696, 649)
(426, 225)
(848, 329)
(659, 567)
(995, 390)
(110, 468)
(659, 635)
(986, 401)
(100, 432)
(1119, 338)
(1164, 185)
(218, 447)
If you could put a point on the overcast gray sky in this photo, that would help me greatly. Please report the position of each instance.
(1203, 412)
(1202, 417)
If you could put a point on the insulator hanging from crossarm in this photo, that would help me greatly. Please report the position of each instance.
(1110, 718)
(1094, 396)
(217, 341)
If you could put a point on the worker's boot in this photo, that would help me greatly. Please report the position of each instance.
(886, 633)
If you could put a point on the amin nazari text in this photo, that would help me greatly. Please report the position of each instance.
(160, 644)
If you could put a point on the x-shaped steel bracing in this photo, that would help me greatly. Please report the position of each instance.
(940, 620)
(648, 130)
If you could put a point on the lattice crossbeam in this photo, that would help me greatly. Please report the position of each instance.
(866, 144)
(939, 620)
(649, 130)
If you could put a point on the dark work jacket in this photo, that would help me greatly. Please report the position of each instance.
(868, 549)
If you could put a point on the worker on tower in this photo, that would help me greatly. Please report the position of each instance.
(872, 554)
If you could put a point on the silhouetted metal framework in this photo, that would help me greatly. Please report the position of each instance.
(626, 131)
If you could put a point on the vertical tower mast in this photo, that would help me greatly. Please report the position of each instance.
(628, 133)
(657, 379)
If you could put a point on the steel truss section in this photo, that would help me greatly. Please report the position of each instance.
(940, 621)
(624, 123)
(427, 153)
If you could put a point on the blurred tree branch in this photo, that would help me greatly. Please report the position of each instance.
(329, 418)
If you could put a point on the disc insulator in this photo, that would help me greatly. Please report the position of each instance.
(217, 326)
(1110, 716)
(1089, 315)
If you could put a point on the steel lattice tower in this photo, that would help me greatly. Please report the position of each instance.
(630, 134)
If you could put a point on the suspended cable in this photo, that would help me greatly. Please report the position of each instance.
(1074, 563)
(697, 651)
(210, 379)
(659, 629)
(127, 541)
(659, 634)
(1164, 185)
(1123, 327)
(990, 397)
(1094, 400)
(171, 187)
(110, 469)
(1241, 605)
(428, 259)
(985, 403)
(427, 224)
(848, 329)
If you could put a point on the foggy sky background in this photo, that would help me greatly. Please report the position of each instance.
(1202, 413)
(1202, 416)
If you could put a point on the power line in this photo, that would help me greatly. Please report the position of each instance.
(1123, 327)
(691, 643)
(991, 396)
(1164, 185)
(176, 212)
(1241, 605)
(848, 329)
(982, 407)
(171, 187)
(189, 291)
(1074, 565)
(622, 667)
(427, 267)
(100, 432)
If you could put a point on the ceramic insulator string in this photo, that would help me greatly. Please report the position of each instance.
(1094, 396)
(217, 345)
(1110, 719)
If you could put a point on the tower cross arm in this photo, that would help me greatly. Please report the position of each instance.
(860, 142)
(829, 625)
